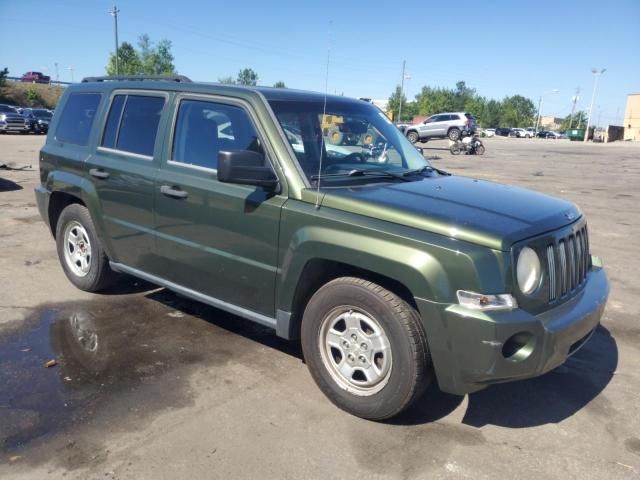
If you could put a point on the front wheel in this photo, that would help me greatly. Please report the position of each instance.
(455, 149)
(480, 150)
(82, 257)
(413, 136)
(365, 347)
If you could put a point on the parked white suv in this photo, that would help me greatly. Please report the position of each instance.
(443, 125)
(521, 133)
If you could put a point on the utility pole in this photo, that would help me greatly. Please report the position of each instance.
(596, 74)
(538, 117)
(70, 68)
(573, 108)
(57, 75)
(401, 92)
(114, 12)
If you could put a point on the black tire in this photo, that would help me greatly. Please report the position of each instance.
(455, 149)
(410, 370)
(99, 275)
(413, 136)
(453, 134)
(480, 150)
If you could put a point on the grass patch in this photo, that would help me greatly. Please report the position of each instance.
(31, 94)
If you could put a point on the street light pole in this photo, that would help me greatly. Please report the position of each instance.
(114, 12)
(596, 74)
(71, 70)
(401, 92)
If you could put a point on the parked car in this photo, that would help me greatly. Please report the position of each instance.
(12, 121)
(41, 116)
(36, 77)
(503, 131)
(548, 134)
(520, 133)
(489, 132)
(390, 271)
(443, 125)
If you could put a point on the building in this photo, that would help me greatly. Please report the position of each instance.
(550, 123)
(632, 118)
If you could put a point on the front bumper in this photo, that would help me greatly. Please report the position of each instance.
(468, 346)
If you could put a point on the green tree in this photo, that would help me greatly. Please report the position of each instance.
(490, 117)
(395, 100)
(517, 111)
(149, 59)
(33, 98)
(129, 61)
(247, 76)
(158, 59)
(3, 77)
(227, 80)
(578, 120)
(279, 84)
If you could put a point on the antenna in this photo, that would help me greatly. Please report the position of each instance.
(324, 114)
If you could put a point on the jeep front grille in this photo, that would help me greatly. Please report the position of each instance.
(568, 262)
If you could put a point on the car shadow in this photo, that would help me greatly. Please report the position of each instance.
(127, 284)
(9, 186)
(550, 398)
(227, 321)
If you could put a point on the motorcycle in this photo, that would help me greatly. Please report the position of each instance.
(469, 145)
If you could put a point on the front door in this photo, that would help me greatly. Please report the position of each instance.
(215, 238)
(123, 172)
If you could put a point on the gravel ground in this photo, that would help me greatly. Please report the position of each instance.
(149, 385)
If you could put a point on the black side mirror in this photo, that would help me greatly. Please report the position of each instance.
(246, 168)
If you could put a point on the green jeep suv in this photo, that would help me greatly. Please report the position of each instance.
(391, 272)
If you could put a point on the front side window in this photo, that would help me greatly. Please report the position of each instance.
(132, 124)
(77, 118)
(203, 129)
(351, 138)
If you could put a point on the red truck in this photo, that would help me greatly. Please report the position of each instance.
(35, 77)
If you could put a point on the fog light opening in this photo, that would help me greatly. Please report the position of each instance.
(519, 346)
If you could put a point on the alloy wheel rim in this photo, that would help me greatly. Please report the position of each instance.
(77, 249)
(355, 351)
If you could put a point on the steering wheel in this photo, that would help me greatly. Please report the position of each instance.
(355, 157)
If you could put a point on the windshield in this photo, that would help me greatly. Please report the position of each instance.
(7, 109)
(349, 136)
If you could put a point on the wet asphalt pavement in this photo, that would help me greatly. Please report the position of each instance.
(147, 384)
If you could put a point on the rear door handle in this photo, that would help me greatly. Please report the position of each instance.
(98, 173)
(173, 192)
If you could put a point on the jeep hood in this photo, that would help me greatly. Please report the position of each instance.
(476, 211)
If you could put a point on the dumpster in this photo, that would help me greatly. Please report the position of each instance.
(576, 134)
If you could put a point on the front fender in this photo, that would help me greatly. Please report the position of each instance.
(417, 270)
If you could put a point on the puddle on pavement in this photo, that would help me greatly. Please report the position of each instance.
(131, 356)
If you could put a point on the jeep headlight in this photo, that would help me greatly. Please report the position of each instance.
(528, 270)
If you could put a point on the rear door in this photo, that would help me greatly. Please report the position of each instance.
(216, 238)
(123, 171)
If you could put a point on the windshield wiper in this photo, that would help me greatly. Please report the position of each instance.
(426, 168)
(363, 173)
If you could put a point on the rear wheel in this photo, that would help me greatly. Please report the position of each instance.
(365, 348)
(82, 257)
(413, 136)
(454, 134)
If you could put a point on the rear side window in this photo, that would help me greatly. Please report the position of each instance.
(77, 118)
(132, 124)
(205, 128)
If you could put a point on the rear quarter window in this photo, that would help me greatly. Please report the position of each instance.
(77, 117)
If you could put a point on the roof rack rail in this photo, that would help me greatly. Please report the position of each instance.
(167, 78)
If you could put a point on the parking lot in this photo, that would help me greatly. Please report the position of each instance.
(150, 385)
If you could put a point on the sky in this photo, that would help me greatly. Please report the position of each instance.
(498, 47)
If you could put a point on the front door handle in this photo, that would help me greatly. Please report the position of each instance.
(98, 173)
(173, 192)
